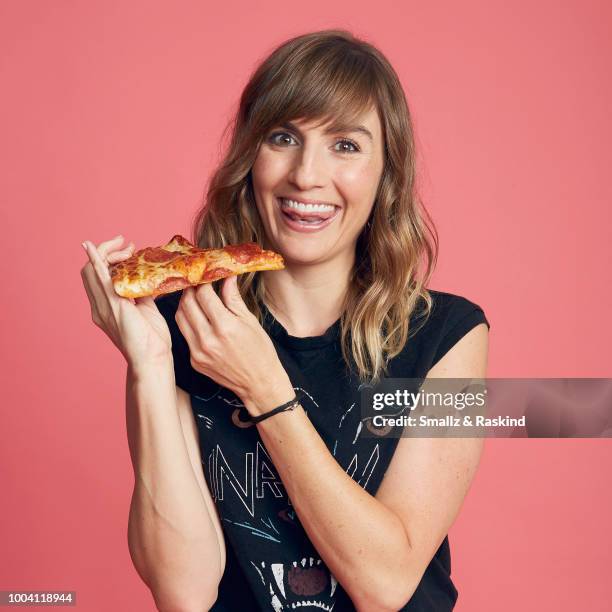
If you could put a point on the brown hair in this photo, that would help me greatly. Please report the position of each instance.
(333, 76)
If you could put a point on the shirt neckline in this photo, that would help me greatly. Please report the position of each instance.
(279, 333)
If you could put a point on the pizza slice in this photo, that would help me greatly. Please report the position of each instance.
(178, 264)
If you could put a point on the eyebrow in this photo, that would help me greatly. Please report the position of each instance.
(338, 128)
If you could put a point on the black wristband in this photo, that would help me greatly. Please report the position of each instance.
(290, 405)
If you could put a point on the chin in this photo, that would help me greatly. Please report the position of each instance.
(302, 251)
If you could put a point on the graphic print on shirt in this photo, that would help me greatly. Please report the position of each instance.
(253, 503)
(249, 481)
(299, 584)
(259, 472)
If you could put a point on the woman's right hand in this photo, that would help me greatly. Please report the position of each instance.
(135, 326)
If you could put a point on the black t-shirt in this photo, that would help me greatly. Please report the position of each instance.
(271, 564)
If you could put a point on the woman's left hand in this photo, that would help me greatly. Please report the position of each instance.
(228, 345)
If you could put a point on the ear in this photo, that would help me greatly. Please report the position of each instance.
(231, 296)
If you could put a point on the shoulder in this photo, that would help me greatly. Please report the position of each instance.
(186, 377)
(432, 334)
(449, 310)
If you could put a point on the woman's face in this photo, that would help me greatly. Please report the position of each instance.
(298, 165)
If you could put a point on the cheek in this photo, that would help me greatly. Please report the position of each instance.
(258, 171)
(358, 184)
(267, 170)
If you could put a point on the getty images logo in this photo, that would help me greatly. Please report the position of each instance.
(403, 398)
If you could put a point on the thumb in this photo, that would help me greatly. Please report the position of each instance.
(231, 296)
(147, 302)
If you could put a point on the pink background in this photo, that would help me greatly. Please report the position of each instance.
(111, 118)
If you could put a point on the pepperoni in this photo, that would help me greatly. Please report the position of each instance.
(159, 255)
(173, 283)
(189, 260)
(215, 274)
(178, 239)
(243, 253)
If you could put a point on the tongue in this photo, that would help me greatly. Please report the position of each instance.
(296, 216)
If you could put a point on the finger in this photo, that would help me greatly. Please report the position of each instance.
(99, 267)
(193, 312)
(106, 291)
(98, 300)
(194, 333)
(211, 304)
(92, 285)
(231, 296)
(87, 274)
(104, 248)
(116, 256)
(148, 300)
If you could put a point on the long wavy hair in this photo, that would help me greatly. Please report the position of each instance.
(333, 76)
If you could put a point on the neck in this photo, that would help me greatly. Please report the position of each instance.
(307, 299)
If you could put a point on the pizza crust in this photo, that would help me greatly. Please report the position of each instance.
(178, 264)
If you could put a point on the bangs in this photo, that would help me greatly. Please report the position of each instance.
(331, 78)
(334, 88)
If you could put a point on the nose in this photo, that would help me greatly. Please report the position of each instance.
(308, 169)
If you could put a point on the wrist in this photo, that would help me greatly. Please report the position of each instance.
(269, 396)
(148, 370)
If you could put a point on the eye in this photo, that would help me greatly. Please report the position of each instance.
(286, 139)
(275, 138)
(346, 144)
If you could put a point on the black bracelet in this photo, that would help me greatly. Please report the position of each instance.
(290, 405)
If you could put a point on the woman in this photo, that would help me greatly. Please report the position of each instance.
(309, 505)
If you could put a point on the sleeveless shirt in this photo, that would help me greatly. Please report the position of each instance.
(271, 563)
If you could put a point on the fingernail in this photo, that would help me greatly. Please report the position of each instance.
(84, 245)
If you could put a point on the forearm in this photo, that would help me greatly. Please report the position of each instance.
(363, 543)
(171, 536)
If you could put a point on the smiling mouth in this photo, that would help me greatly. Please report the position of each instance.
(306, 214)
